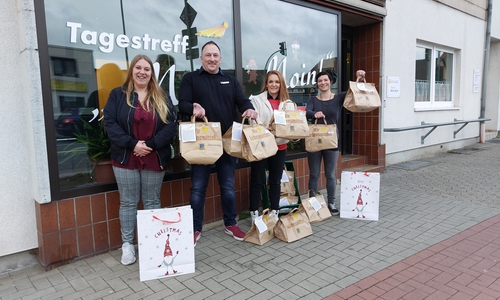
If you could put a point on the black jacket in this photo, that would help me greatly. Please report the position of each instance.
(119, 120)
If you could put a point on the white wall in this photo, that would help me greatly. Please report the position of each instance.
(495, 20)
(23, 167)
(430, 21)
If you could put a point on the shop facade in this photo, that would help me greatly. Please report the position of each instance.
(83, 51)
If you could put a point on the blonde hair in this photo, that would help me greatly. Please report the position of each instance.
(157, 97)
(283, 91)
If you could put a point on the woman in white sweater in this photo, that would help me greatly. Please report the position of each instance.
(274, 96)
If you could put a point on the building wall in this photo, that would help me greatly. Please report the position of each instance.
(430, 21)
(23, 167)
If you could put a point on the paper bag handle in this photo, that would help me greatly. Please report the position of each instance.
(193, 119)
(358, 79)
(316, 121)
(168, 221)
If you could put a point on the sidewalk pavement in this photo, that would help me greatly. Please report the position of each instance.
(437, 238)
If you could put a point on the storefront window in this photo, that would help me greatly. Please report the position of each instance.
(90, 44)
(310, 37)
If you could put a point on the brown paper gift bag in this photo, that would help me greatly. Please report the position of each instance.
(316, 208)
(232, 140)
(290, 124)
(361, 96)
(321, 137)
(293, 226)
(262, 230)
(287, 185)
(206, 148)
(258, 142)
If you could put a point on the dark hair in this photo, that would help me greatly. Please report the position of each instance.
(210, 43)
(327, 74)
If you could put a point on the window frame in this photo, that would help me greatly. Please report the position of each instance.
(432, 103)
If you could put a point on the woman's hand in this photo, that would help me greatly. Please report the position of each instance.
(141, 149)
(360, 73)
(319, 115)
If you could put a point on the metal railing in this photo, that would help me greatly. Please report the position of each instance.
(434, 126)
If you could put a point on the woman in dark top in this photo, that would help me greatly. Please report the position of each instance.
(141, 123)
(326, 105)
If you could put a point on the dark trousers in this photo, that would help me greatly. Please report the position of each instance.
(275, 166)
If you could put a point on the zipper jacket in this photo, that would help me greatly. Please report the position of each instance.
(119, 120)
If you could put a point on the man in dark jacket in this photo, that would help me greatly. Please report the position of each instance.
(209, 92)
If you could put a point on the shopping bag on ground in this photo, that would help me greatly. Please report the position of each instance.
(293, 226)
(287, 184)
(321, 137)
(315, 208)
(200, 142)
(361, 96)
(262, 230)
(359, 197)
(165, 242)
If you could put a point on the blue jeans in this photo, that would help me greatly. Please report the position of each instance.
(132, 186)
(330, 164)
(275, 165)
(200, 174)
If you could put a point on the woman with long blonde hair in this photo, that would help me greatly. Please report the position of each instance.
(141, 122)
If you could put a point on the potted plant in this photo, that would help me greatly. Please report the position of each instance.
(93, 140)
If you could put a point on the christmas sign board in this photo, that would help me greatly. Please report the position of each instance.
(359, 197)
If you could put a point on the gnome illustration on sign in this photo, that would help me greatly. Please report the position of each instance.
(168, 258)
(359, 205)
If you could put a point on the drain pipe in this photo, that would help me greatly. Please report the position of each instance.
(486, 63)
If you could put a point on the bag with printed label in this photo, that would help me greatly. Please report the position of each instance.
(361, 96)
(258, 142)
(165, 241)
(200, 142)
(293, 226)
(290, 124)
(262, 230)
(316, 208)
(321, 137)
(232, 140)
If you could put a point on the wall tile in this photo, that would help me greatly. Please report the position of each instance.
(52, 248)
(100, 231)
(177, 192)
(186, 191)
(112, 205)
(98, 209)
(85, 240)
(48, 217)
(115, 235)
(166, 194)
(69, 248)
(83, 216)
(66, 211)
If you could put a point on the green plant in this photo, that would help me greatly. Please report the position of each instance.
(93, 140)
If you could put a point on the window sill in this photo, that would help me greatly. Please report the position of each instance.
(424, 109)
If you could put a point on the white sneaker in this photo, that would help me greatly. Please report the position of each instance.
(128, 254)
(276, 214)
(254, 215)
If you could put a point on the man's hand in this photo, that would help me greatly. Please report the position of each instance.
(198, 111)
(250, 113)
